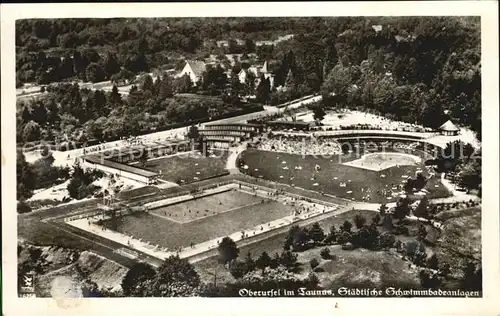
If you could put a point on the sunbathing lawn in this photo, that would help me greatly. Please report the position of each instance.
(167, 233)
(271, 245)
(272, 166)
(460, 239)
(189, 167)
(208, 205)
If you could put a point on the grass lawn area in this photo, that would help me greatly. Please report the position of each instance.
(43, 234)
(166, 233)
(460, 239)
(271, 245)
(189, 167)
(208, 205)
(360, 268)
(270, 166)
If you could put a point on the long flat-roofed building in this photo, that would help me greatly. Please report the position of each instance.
(122, 170)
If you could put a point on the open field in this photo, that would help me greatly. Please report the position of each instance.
(166, 233)
(205, 206)
(281, 167)
(187, 168)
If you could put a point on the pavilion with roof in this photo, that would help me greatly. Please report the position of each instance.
(449, 129)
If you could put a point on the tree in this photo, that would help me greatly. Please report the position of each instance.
(346, 226)
(422, 209)
(175, 277)
(236, 89)
(183, 84)
(95, 73)
(387, 223)
(314, 263)
(214, 79)
(359, 221)
(296, 238)
(420, 182)
(363, 238)
(249, 46)
(193, 133)
(143, 158)
(343, 237)
(409, 186)
(290, 82)
(290, 237)
(422, 232)
(318, 111)
(111, 65)
(469, 175)
(332, 235)
(249, 262)
(289, 260)
(402, 209)
(25, 177)
(31, 132)
(376, 219)
(275, 261)
(386, 240)
(134, 278)
(382, 209)
(23, 207)
(300, 239)
(316, 233)
(325, 253)
(228, 251)
(472, 277)
(147, 83)
(433, 262)
(263, 261)
(238, 269)
(429, 280)
(166, 89)
(80, 184)
(444, 270)
(263, 89)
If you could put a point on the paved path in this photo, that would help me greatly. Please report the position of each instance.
(233, 157)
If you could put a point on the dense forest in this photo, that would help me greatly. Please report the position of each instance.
(415, 69)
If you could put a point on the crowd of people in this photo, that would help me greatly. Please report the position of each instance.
(300, 145)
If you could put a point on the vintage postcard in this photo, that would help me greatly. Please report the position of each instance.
(239, 158)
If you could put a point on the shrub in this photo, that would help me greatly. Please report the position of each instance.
(314, 263)
(23, 207)
(325, 253)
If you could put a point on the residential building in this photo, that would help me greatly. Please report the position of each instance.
(194, 69)
(257, 71)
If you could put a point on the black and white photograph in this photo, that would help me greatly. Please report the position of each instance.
(289, 156)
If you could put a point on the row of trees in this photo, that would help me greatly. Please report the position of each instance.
(81, 48)
(67, 112)
(408, 68)
(177, 277)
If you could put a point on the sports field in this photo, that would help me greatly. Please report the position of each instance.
(206, 206)
(167, 233)
(189, 167)
(332, 176)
